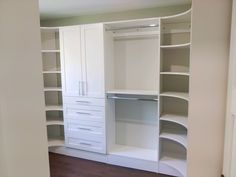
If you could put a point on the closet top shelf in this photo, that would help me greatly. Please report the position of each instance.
(134, 92)
(178, 18)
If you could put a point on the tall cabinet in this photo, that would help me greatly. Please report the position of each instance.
(83, 87)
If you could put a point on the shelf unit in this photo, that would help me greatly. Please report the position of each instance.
(52, 85)
(175, 44)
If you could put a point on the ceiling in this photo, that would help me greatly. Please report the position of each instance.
(68, 8)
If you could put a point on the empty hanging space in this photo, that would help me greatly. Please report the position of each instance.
(132, 56)
(50, 39)
(133, 126)
(175, 30)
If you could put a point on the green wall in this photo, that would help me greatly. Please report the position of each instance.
(126, 15)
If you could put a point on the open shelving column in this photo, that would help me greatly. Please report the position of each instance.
(52, 86)
(175, 43)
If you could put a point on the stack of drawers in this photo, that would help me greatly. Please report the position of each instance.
(85, 123)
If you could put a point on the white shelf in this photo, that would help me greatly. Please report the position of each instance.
(134, 152)
(175, 73)
(55, 29)
(56, 142)
(48, 89)
(51, 72)
(177, 136)
(54, 108)
(179, 18)
(181, 95)
(135, 34)
(50, 51)
(175, 161)
(55, 122)
(133, 92)
(181, 120)
(186, 45)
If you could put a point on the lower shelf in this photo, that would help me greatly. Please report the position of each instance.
(56, 142)
(175, 161)
(134, 152)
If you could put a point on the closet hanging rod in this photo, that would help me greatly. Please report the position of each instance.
(133, 27)
(134, 99)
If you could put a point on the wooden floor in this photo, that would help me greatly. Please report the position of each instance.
(63, 166)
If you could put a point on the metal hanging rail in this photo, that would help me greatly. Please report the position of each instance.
(133, 99)
(133, 27)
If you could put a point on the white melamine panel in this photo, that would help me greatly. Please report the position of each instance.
(93, 60)
(136, 63)
(70, 41)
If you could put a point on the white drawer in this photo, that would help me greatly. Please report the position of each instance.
(84, 113)
(84, 101)
(86, 145)
(92, 131)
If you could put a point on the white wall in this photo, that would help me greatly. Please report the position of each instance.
(21, 91)
(208, 86)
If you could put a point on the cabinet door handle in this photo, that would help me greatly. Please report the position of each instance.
(85, 113)
(87, 129)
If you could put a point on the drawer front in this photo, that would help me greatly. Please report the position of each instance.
(84, 101)
(88, 131)
(85, 145)
(84, 113)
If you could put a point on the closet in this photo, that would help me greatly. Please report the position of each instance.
(124, 87)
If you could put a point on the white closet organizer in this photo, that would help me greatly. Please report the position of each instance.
(174, 88)
(125, 92)
(52, 86)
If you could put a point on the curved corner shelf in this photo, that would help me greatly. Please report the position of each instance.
(51, 72)
(53, 108)
(176, 162)
(173, 46)
(175, 73)
(55, 122)
(175, 136)
(52, 89)
(178, 119)
(180, 95)
(50, 51)
(181, 17)
(56, 142)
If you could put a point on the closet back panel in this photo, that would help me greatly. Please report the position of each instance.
(175, 60)
(136, 123)
(136, 63)
(52, 80)
(53, 98)
(50, 40)
(176, 83)
(51, 62)
(174, 106)
(55, 131)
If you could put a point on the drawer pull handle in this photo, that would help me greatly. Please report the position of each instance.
(85, 113)
(87, 129)
(85, 102)
(86, 144)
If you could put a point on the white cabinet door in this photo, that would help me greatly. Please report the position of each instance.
(93, 60)
(70, 43)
